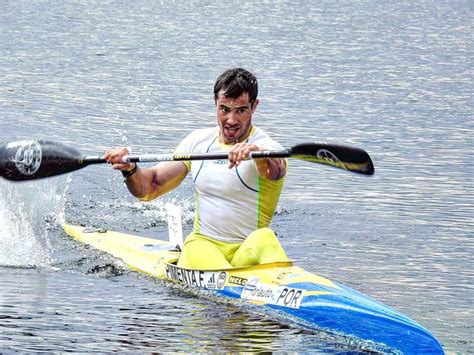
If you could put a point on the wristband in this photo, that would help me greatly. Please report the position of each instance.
(127, 173)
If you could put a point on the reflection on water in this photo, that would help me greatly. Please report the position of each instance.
(99, 314)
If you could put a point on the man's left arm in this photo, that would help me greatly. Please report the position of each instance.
(271, 168)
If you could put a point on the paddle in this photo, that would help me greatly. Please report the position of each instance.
(29, 160)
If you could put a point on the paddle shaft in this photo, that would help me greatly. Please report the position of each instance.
(29, 160)
(148, 158)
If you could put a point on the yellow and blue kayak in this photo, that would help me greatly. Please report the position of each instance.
(280, 287)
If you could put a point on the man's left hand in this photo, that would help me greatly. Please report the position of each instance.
(239, 152)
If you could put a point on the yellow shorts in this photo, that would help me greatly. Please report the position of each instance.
(204, 253)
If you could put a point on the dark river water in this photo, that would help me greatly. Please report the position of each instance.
(392, 77)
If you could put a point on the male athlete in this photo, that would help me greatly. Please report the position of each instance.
(235, 202)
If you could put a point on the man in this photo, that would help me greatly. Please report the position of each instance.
(235, 202)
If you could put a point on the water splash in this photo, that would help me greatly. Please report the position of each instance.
(28, 211)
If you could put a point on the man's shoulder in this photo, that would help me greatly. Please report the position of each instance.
(203, 133)
(197, 139)
(263, 139)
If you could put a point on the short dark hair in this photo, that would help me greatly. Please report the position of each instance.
(235, 82)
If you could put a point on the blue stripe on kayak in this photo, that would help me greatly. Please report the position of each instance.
(352, 313)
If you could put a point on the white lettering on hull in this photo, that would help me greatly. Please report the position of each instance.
(278, 295)
(197, 278)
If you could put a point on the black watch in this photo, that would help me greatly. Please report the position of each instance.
(127, 173)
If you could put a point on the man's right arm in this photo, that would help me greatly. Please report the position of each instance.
(148, 183)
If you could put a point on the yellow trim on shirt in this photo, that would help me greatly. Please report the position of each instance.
(187, 164)
(269, 193)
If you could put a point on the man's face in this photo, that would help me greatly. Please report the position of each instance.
(234, 117)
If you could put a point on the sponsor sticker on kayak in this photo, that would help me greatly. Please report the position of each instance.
(278, 295)
(196, 278)
(237, 280)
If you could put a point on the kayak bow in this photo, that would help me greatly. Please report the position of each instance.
(282, 287)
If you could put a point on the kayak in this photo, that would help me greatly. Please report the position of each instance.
(280, 288)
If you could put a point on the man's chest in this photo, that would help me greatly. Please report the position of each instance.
(213, 177)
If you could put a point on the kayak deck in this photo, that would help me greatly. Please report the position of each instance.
(310, 299)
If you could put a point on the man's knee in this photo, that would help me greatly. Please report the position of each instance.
(202, 255)
(262, 233)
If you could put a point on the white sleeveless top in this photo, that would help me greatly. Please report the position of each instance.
(230, 203)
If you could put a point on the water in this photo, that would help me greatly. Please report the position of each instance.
(392, 78)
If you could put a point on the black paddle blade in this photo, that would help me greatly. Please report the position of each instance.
(338, 156)
(37, 159)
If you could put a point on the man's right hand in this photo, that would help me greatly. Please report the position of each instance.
(115, 157)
